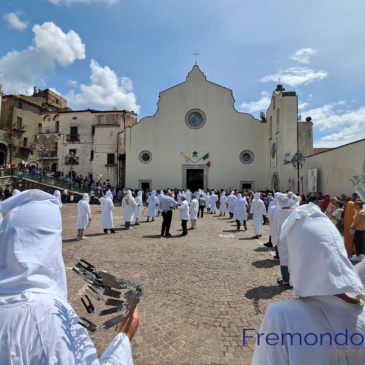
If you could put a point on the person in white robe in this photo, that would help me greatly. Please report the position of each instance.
(258, 210)
(160, 196)
(240, 212)
(223, 204)
(326, 323)
(139, 208)
(188, 196)
(213, 202)
(57, 194)
(285, 208)
(128, 205)
(273, 206)
(152, 202)
(207, 201)
(84, 216)
(38, 325)
(184, 215)
(193, 210)
(230, 204)
(107, 206)
(179, 195)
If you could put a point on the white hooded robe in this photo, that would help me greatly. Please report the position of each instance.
(107, 206)
(258, 210)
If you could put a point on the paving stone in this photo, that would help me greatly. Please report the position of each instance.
(201, 290)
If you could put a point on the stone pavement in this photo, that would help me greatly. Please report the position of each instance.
(200, 290)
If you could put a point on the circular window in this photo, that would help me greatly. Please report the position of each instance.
(247, 157)
(145, 157)
(195, 119)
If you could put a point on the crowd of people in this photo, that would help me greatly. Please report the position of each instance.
(313, 260)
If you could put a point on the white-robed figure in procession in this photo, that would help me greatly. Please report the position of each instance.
(128, 205)
(223, 204)
(57, 194)
(107, 206)
(179, 195)
(139, 208)
(273, 206)
(188, 196)
(160, 196)
(193, 210)
(240, 212)
(285, 208)
(213, 202)
(84, 216)
(38, 325)
(207, 200)
(184, 215)
(230, 204)
(152, 202)
(325, 324)
(258, 210)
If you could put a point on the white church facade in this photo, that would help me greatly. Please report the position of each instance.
(198, 117)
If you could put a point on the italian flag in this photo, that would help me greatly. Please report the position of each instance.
(207, 159)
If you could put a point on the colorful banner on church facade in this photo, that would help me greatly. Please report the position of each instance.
(273, 152)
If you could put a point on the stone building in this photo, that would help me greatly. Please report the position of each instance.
(20, 123)
(96, 137)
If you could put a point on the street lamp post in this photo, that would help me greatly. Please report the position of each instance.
(43, 152)
(298, 162)
(71, 158)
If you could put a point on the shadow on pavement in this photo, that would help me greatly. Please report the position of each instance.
(265, 264)
(265, 292)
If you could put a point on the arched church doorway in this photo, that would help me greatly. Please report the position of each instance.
(275, 182)
(73, 174)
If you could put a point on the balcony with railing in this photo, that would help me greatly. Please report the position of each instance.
(72, 137)
(50, 155)
(48, 130)
(19, 127)
(74, 162)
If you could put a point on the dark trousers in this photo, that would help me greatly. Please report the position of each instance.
(166, 222)
(201, 210)
(112, 230)
(184, 224)
(359, 242)
(238, 224)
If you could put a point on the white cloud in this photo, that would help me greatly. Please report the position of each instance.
(69, 2)
(303, 55)
(73, 83)
(106, 90)
(302, 105)
(14, 21)
(296, 76)
(257, 106)
(341, 128)
(21, 70)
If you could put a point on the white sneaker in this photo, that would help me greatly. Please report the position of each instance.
(355, 258)
(84, 238)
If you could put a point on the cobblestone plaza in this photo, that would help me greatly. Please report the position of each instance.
(200, 290)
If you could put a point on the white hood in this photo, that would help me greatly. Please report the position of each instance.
(283, 201)
(31, 245)
(317, 255)
(257, 195)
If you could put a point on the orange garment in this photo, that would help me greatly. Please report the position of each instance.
(349, 218)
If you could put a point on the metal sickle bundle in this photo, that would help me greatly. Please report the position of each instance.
(105, 282)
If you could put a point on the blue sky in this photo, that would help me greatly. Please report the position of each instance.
(105, 53)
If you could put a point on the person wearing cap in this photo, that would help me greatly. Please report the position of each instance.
(84, 216)
(38, 325)
(107, 206)
(258, 210)
(326, 323)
